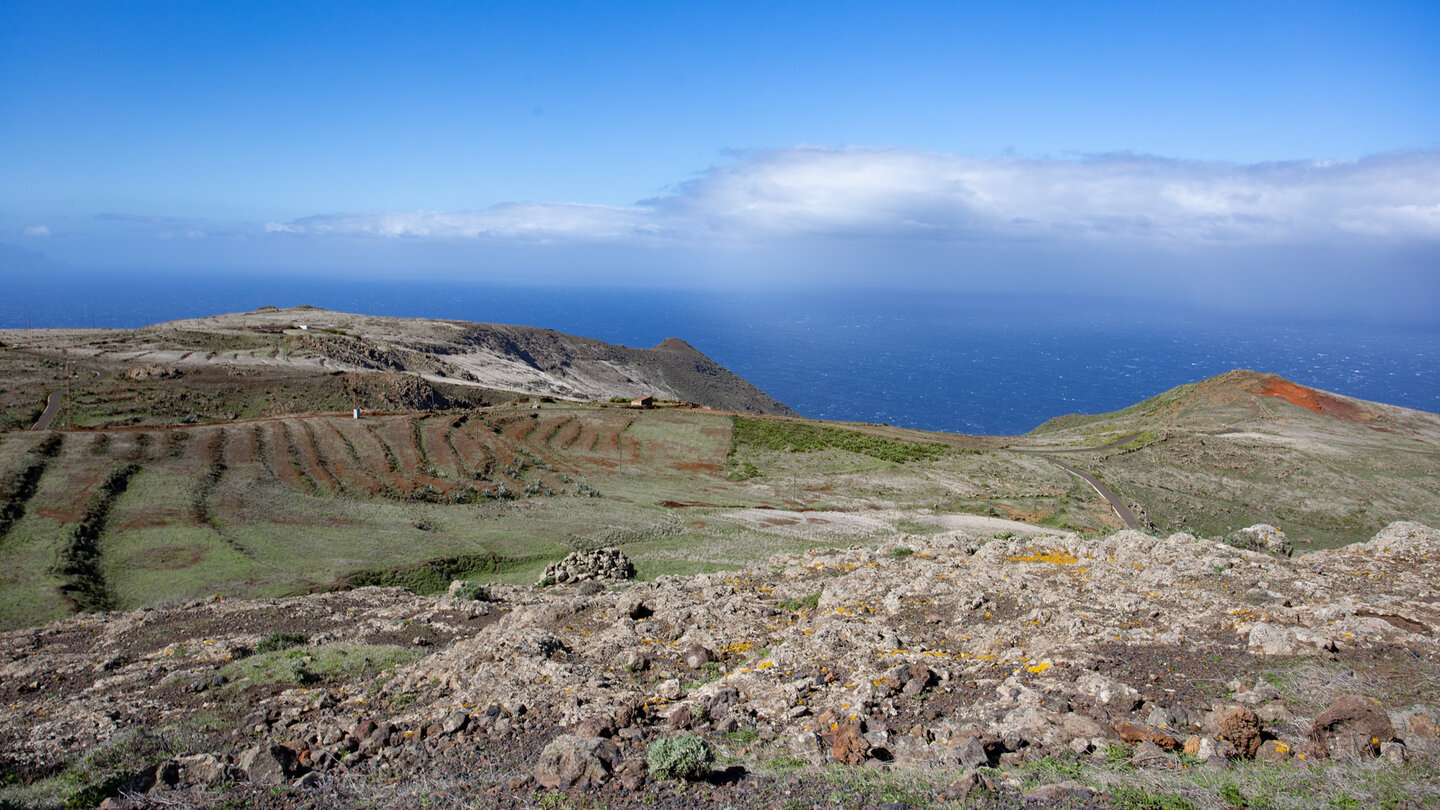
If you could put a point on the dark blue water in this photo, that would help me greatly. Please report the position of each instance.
(972, 363)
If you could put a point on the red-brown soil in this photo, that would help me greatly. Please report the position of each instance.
(1317, 401)
(275, 453)
(352, 471)
(311, 455)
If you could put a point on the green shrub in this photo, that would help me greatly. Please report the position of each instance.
(901, 551)
(686, 757)
(274, 642)
(807, 602)
(474, 591)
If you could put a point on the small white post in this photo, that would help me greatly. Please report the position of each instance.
(357, 413)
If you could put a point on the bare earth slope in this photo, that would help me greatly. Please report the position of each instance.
(1125, 671)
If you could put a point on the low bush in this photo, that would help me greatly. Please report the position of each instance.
(686, 757)
(274, 642)
(474, 591)
(807, 602)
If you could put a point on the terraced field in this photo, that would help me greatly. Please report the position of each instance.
(118, 518)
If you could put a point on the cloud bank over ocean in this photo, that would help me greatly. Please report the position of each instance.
(1355, 236)
(900, 194)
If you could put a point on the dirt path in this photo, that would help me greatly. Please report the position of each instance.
(52, 407)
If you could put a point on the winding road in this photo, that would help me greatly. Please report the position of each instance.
(52, 407)
(1122, 511)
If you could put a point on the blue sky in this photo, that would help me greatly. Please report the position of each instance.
(1173, 148)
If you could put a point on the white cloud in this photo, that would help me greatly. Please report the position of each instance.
(531, 222)
(884, 194)
(37, 230)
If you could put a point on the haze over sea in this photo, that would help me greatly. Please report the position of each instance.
(986, 363)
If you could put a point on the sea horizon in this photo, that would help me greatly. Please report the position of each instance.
(955, 361)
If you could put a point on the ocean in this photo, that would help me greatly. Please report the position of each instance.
(983, 363)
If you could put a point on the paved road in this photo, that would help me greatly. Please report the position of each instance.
(52, 407)
(1121, 510)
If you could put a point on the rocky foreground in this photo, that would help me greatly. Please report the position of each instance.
(940, 669)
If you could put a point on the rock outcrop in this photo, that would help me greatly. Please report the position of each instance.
(965, 653)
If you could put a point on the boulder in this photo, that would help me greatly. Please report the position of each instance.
(269, 765)
(1423, 725)
(1395, 753)
(970, 782)
(1060, 794)
(1149, 755)
(1132, 733)
(1270, 639)
(203, 769)
(720, 703)
(1273, 751)
(1107, 691)
(1209, 749)
(1261, 537)
(1240, 727)
(850, 746)
(697, 656)
(973, 754)
(633, 661)
(1351, 728)
(631, 774)
(681, 718)
(454, 721)
(630, 714)
(807, 746)
(632, 606)
(595, 727)
(571, 761)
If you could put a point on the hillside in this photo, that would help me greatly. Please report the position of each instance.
(1246, 447)
(272, 362)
